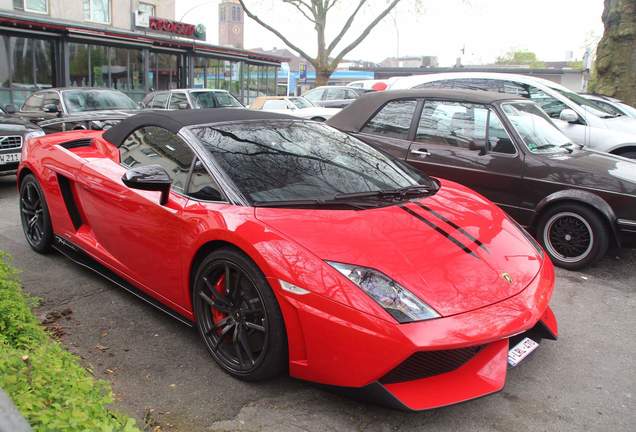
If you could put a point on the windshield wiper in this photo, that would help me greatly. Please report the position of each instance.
(400, 194)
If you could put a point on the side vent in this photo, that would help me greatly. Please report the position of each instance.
(84, 142)
(69, 201)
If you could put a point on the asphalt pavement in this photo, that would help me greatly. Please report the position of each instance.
(162, 375)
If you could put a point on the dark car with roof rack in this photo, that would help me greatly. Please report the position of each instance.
(577, 202)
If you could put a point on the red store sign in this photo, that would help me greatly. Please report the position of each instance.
(167, 26)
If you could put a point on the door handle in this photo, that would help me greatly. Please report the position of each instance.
(420, 152)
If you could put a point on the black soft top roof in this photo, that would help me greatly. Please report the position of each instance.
(355, 116)
(174, 121)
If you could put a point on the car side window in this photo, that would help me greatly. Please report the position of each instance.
(393, 120)
(202, 186)
(275, 104)
(498, 139)
(454, 124)
(154, 145)
(549, 104)
(51, 98)
(34, 103)
(314, 95)
(350, 94)
(177, 100)
(335, 94)
(159, 101)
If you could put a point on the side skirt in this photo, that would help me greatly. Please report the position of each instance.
(80, 257)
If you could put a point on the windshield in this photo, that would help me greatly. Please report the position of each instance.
(96, 100)
(538, 133)
(586, 104)
(628, 109)
(213, 99)
(301, 102)
(286, 160)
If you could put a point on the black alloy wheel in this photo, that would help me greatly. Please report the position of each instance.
(238, 317)
(573, 235)
(34, 215)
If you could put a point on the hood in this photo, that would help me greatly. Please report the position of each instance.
(9, 124)
(598, 170)
(435, 253)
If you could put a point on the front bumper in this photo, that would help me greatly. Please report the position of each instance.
(335, 346)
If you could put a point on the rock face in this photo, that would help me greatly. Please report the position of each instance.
(616, 53)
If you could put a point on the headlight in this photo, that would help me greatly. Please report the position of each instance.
(403, 305)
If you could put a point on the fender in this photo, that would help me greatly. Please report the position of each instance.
(584, 197)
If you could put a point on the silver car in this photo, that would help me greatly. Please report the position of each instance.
(611, 105)
(577, 117)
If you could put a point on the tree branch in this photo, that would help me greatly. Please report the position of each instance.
(298, 5)
(294, 47)
(363, 35)
(345, 27)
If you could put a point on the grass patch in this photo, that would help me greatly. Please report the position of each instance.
(47, 383)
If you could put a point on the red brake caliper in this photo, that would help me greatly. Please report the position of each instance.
(217, 315)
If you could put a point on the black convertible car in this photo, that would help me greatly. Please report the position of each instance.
(577, 202)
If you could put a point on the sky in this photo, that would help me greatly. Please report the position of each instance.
(485, 29)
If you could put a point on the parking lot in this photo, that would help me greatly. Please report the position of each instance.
(163, 376)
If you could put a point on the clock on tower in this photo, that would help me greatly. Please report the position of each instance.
(231, 24)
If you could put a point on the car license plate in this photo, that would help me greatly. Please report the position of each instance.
(521, 351)
(9, 158)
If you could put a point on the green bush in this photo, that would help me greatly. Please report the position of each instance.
(46, 382)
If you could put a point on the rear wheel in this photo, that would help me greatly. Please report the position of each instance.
(573, 235)
(34, 215)
(238, 316)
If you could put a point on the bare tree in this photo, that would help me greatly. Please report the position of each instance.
(316, 12)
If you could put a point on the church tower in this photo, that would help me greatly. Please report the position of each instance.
(231, 22)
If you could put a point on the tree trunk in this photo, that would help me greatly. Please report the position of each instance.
(322, 76)
(616, 52)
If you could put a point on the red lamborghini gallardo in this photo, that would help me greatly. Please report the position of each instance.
(295, 247)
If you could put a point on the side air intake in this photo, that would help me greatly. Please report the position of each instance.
(69, 201)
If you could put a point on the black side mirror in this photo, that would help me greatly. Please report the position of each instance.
(150, 178)
(50, 108)
(10, 109)
(481, 148)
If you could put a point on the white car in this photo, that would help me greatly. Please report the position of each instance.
(371, 84)
(577, 117)
(293, 105)
(611, 105)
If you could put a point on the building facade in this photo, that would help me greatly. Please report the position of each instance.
(231, 24)
(134, 46)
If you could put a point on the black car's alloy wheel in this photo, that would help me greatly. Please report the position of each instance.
(34, 215)
(238, 316)
(573, 235)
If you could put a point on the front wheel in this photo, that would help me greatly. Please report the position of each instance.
(34, 214)
(238, 316)
(573, 235)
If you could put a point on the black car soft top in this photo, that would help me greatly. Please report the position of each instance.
(174, 121)
(355, 116)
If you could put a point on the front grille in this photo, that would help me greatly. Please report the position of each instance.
(425, 364)
(10, 142)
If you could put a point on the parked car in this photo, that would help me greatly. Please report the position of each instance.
(577, 117)
(333, 96)
(72, 101)
(294, 247)
(370, 84)
(191, 99)
(611, 105)
(13, 134)
(577, 202)
(293, 105)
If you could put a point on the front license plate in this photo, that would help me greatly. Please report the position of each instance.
(9, 158)
(521, 351)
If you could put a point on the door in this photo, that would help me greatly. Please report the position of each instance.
(389, 129)
(335, 97)
(469, 144)
(131, 228)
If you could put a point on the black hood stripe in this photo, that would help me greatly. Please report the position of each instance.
(439, 230)
(453, 224)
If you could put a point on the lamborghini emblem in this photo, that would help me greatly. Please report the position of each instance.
(505, 276)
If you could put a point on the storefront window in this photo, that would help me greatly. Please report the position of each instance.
(99, 70)
(163, 71)
(97, 11)
(78, 65)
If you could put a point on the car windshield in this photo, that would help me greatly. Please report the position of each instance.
(630, 110)
(534, 127)
(282, 160)
(301, 102)
(586, 104)
(214, 99)
(77, 101)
